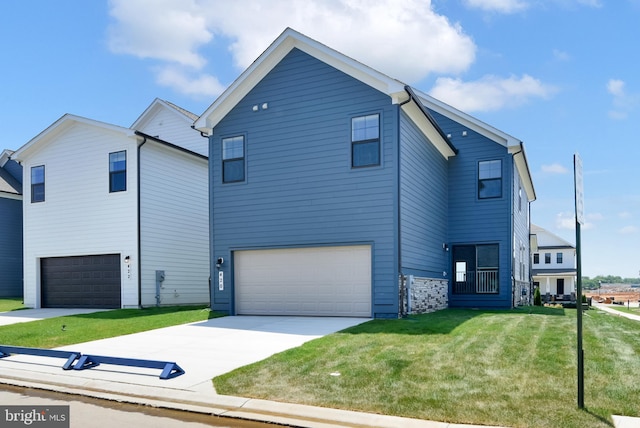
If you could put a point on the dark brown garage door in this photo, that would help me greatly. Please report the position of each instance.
(81, 282)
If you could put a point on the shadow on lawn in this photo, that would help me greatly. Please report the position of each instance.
(444, 321)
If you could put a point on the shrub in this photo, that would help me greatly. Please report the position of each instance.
(537, 299)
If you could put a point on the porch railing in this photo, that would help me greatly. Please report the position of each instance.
(487, 281)
(480, 282)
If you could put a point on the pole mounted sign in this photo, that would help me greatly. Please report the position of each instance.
(579, 197)
(577, 171)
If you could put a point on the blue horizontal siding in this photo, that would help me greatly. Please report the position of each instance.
(300, 189)
(477, 221)
(11, 248)
(424, 203)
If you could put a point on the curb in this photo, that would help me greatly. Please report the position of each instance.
(295, 415)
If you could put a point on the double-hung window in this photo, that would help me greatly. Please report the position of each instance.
(490, 179)
(547, 258)
(118, 171)
(559, 258)
(37, 183)
(536, 258)
(233, 159)
(365, 141)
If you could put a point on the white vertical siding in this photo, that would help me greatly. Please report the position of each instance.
(171, 126)
(79, 216)
(174, 211)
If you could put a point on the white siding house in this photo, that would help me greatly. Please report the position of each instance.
(95, 194)
(554, 266)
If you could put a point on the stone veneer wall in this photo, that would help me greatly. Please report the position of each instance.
(426, 295)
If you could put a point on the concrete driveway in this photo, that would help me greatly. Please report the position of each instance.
(203, 349)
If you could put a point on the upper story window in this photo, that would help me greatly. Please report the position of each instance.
(490, 179)
(365, 141)
(233, 159)
(559, 258)
(519, 198)
(37, 183)
(118, 171)
(547, 258)
(536, 258)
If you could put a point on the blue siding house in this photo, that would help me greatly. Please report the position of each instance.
(10, 226)
(336, 190)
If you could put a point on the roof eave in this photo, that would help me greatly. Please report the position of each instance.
(284, 44)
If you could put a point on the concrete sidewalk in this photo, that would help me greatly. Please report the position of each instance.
(204, 350)
(611, 309)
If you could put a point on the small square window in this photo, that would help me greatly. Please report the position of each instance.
(365, 141)
(490, 179)
(37, 183)
(118, 171)
(233, 159)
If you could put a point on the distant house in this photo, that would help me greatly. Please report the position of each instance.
(116, 217)
(554, 266)
(10, 226)
(339, 191)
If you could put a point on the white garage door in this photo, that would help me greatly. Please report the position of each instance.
(325, 281)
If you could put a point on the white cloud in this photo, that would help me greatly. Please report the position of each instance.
(501, 6)
(567, 220)
(555, 168)
(622, 102)
(403, 38)
(628, 230)
(490, 93)
(561, 55)
(615, 87)
(169, 30)
(181, 80)
(406, 39)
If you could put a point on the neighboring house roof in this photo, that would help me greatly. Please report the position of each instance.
(59, 126)
(9, 185)
(157, 104)
(547, 239)
(168, 144)
(291, 39)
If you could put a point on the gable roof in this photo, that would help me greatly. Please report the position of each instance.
(514, 145)
(157, 104)
(59, 126)
(291, 39)
(9, 185)
(547, 239)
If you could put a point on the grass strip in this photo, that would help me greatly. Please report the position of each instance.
(49, 333)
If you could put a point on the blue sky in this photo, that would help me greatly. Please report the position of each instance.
(563, 76)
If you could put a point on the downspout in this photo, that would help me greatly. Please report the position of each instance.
(139, 233)
(403, 279)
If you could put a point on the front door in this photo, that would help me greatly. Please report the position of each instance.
(560, 286)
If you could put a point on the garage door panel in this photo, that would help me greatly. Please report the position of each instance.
(81, 282)
(331, 281)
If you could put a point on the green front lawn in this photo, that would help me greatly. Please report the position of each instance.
(11, 304)
(49, 333)
(511, 368)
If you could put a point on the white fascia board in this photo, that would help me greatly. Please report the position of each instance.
(5, 156)
(520, 159)
(7, 195)
(60, 126)
(470, 122)
(418, 117)
(284, 44)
